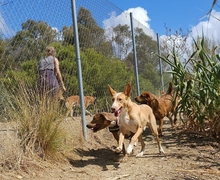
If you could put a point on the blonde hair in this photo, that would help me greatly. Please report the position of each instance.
(50, 51)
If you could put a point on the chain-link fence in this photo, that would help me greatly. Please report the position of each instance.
(28, 26)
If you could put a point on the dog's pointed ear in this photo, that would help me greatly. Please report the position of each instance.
(127, 90)
(170, 88)
(112, 92)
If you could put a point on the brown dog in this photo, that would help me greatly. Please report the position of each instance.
(74, 101)
(133, 118)
(104, 120)
(162, 106)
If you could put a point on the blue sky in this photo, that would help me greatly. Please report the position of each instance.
(176, 14)
(154, 14)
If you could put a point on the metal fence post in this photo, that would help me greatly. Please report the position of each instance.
(160, 63)
(135, 56)
(79, 70)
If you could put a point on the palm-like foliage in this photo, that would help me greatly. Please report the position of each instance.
(198, 85)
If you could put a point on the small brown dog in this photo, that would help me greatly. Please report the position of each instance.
(104, 120)
(74, 101)
(162, 106)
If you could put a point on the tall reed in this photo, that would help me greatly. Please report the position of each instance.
(198, 84)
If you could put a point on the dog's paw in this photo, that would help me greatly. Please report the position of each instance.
(129, 149)
(140, 154)
(135, 144)
(161, 151)
(114, 149)
(118, 150)
(160, 135)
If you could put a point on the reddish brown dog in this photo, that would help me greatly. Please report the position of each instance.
(162, 106)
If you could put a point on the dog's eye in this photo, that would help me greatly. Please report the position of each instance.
(113, 99)
(119, 99)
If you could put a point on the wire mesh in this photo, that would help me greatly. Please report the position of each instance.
(28, 26)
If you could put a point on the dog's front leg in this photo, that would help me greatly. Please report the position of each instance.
(89, 113)
(121, 141)
(134, 139)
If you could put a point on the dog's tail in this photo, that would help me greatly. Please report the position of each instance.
(170, 89)
(175, 101)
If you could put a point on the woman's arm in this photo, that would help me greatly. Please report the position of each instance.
(57, 69)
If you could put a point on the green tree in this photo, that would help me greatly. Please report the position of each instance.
(5, 57)
(90, 34)
(68, 36)
(146, 49)
(122, 38)
(2, 47)
(31, 41)
(148, 63)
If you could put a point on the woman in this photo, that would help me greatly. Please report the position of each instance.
(49, 71)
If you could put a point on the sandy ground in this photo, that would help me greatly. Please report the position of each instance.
(187, 157)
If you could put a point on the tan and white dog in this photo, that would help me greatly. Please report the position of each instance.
(74, 101)
(133, 118)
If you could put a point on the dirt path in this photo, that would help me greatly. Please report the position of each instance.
(187, 157)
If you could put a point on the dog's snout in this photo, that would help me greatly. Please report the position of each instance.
(113, 109)
(88, 126)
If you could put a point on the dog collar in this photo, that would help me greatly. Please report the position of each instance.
(115, 128)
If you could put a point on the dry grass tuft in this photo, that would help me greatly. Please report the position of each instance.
(37, 127)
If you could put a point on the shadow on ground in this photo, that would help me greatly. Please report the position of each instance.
(100, 157)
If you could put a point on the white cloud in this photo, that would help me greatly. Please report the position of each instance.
(59, 34)
(209, 28)
(140, 19)
(141, 15)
